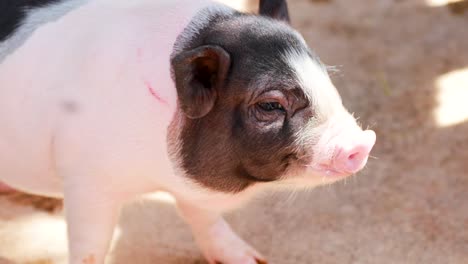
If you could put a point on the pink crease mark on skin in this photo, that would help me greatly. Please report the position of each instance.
(154, 93)
(150, 88)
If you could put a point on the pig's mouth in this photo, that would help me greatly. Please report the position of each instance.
(327, 171)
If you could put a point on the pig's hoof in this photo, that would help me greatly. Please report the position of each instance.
(234, 255)
(261, 261)
(5, 188)
(222, 246)
(47, 204)
(246, 261)
(234, 252)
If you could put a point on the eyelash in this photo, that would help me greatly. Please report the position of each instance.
(271, 106)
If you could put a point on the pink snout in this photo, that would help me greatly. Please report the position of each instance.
(351, 153)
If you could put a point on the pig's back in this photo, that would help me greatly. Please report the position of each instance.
(93, 83)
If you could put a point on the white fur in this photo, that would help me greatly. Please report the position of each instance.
(316, 84)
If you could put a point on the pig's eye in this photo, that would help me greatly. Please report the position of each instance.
(270, 106)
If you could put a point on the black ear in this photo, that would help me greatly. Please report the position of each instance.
(198, 74)
(277, 9)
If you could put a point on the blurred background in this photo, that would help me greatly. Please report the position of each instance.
(402, 67)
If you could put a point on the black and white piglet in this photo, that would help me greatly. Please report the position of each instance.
(105, 100)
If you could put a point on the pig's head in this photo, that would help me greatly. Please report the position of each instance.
(256, 105)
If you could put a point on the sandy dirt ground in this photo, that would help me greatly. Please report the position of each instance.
(403, 69)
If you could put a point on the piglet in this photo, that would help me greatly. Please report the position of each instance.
(102, 101)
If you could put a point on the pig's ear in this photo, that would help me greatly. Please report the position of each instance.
(277, 9)
(198, 74)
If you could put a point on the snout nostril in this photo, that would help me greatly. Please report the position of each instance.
(352, 152)
(353, 156)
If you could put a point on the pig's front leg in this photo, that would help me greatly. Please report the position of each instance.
(91, 215)
(216, 239)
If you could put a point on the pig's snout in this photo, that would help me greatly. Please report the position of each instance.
(352, 152)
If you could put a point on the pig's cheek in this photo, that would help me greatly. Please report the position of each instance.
(174, 142)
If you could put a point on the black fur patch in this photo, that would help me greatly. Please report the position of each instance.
(13, 13)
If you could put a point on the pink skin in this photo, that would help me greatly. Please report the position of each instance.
(350, 154)
(7, 189)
